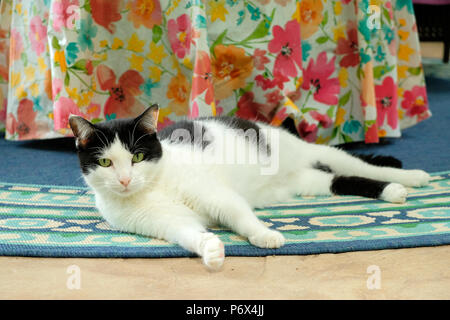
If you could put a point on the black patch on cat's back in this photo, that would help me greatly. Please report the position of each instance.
(186, 131)
(243, 125)
(236, 123)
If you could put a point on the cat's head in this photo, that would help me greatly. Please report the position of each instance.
(118, 157)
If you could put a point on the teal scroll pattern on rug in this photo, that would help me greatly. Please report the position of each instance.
(54, 221)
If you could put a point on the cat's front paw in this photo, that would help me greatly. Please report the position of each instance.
(394, 192)
(416, 178)
(267, 239)
(212, 251)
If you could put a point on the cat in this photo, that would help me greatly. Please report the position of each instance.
(172, 185)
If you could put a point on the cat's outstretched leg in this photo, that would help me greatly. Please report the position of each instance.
(233, 211)
(314, 182)
(178, 224)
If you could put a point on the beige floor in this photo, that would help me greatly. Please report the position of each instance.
(419, 273)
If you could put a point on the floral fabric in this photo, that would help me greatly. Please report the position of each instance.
(342, 70)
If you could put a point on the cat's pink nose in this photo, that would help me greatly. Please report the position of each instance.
(125, 181)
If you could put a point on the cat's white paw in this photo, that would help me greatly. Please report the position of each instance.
(267, 239)
(212, 251)
(394, 192)
(416, 178)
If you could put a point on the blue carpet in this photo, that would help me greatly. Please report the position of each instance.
(54, 162)
(51, 221)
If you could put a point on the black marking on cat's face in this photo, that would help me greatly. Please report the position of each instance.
(136, 135)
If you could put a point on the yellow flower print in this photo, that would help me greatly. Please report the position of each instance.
(187, 63)
(15, 79)
(103, 43)
(155, 73)
(337, 8)
(403, 35)
(73, 93)
(29, 73)
(404, 51)
(338, 32)
(19, 8)
(85, 98)
(340, 114)
(217, 10)
(135, 44)
(296, 15)
(42, 65)
(20, 92)
(136, 62)
(61, 59)
(156, 53)
(343, 76)
(322, 140)
(117, 44)
(34, 89)
(401, 72)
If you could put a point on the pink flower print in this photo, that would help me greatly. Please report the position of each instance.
(180, 35)
(38, 35)
(415, 101)
(65, 14)
(386, 100)
(260, 59)
(323, 119)
(286, 42)
(307, 132)
(348, 47)
(63, 108)
(316, 77)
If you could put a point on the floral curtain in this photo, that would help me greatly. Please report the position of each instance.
(342, 70)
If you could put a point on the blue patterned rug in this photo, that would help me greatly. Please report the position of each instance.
(55, 221)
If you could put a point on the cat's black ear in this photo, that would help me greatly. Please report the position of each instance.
(148, 120)
(81, 128)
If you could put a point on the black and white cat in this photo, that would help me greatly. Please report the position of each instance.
(176, 183)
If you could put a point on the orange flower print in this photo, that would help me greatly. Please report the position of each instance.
(145, 12)
(25, 125)
(178, 92)
(310, 17)
(121, 102)
(202, 79)
(231, 67)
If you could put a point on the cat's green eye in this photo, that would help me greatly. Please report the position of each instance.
(104, 162)
(138, 157)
